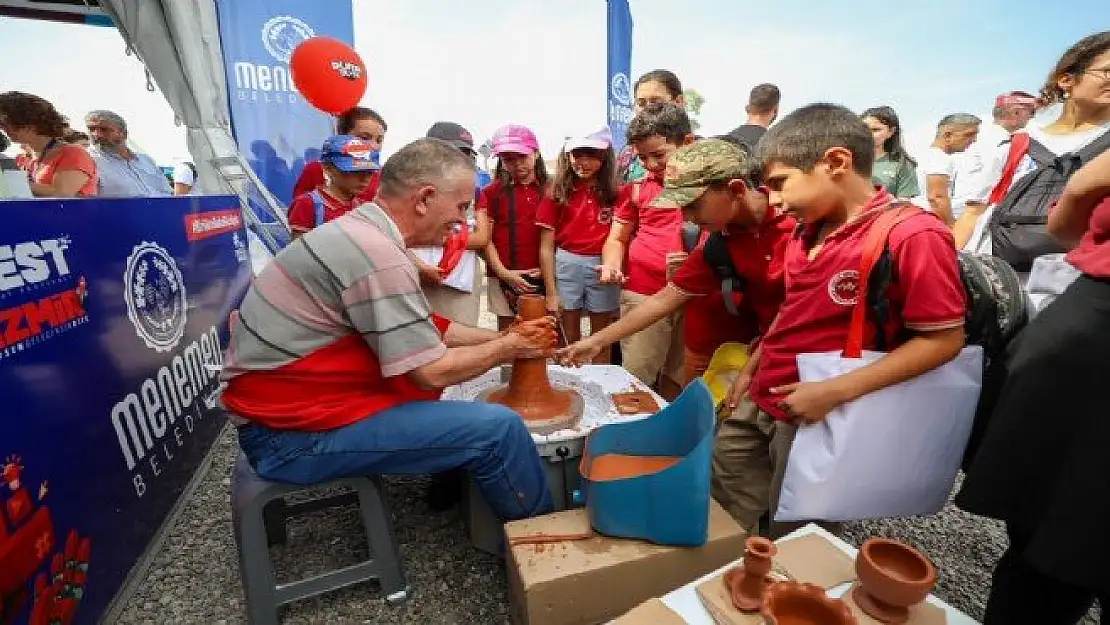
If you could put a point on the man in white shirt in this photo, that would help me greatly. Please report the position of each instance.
(184, 178)
(981, 165)
(937, 168)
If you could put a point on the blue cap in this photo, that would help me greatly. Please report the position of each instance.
(349, 154)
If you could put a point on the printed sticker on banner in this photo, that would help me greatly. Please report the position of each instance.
(200, 226)
(155, 294)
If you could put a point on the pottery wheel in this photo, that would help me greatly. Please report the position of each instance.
(544, 424)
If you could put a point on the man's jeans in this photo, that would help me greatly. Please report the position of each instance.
(488, 440)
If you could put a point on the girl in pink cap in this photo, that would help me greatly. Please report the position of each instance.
(511, 201)
(575, 226)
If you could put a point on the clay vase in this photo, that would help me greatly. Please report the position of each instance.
(892, 577)
(800, 603)
(747, 582)
(529, 391)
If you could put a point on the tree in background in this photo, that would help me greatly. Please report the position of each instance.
(694, 102)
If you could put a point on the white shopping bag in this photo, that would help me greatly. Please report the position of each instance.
(892, 453)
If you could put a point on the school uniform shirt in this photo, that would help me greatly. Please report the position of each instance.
(758, 255)
(67, 157)
(493, 201)
(656, 233)
(1092, 255)
(582, 225)
(707, 324)
(312, 177)
(927, 293)
(302, 212)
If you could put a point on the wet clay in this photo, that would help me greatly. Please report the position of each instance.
(529, 392)
(747, 583)
(892, 578)
(635, 402)
(608, 467)
(799, 603)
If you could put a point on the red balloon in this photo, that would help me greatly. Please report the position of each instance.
(329, 74)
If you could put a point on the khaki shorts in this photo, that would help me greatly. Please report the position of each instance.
(657, 349)
(498, 305)
(749, 460)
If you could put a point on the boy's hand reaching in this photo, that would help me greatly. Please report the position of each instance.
(577, 354)
(809, 401)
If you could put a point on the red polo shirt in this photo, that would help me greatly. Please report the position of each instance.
(657, 232)
(582, 225)
(758, 255)
(1092, 255)
(493, 200)
(927, 293)
(302, 212)
(708, 324)
(312, 176)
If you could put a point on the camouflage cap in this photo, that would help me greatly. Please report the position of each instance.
(692, 168)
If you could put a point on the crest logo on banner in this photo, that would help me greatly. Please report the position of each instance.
(155, 294)
(621, 89)
(282, 34)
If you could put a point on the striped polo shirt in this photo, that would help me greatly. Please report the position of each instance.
(328, 330)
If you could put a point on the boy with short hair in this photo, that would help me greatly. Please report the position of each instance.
(711, 183)
(818, 162)
(349, 163)
(651, 239)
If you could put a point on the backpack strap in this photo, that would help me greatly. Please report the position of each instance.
(317, 206)
(691, 236)
(717, 257)
(1019, 145)
(873, 247)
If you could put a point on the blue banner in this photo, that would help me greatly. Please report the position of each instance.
(111, 339)
(619, 62)
(276, 129)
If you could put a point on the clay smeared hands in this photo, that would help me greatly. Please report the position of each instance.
(610, 275)
(533, 339)
(515, 278)
(810, 402)
(578, 354)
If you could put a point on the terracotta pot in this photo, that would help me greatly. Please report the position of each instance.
(748, 582)
(529, 391)
(892, 577)
(800, 603)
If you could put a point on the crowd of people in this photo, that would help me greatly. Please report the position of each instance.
(672, 248)
(63, 162)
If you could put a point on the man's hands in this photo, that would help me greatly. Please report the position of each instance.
(608, 274)
(810, 402)
(515, 279)
(533, 339)
(578, 354)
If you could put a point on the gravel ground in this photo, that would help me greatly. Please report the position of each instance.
(195, 578)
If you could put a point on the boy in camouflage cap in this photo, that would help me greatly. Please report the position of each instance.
(716, 185)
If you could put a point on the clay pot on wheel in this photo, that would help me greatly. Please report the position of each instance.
(748, 582)
(799, 603)
(892, 577)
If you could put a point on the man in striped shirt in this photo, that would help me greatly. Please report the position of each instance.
(336, 361)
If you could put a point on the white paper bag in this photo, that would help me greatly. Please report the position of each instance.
(461, 277)
(892, 453)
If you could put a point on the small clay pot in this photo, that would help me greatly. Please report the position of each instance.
(801, 603)
(892, 577)
(748, 582)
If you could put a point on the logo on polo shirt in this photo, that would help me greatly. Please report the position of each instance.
(844, 287)
(155, 295)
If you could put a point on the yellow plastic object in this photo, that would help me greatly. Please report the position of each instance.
(724, 366)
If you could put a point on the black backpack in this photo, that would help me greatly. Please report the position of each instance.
(1018, 226)
(718, 259)
(997, 310)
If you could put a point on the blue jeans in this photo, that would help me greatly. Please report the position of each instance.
(488, 440)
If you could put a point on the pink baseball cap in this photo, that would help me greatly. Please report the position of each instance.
(515, 139)
(600, 139)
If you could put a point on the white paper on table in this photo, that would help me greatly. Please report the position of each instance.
(891, 453)
(461, 277)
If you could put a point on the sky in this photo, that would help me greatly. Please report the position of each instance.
(542, 64)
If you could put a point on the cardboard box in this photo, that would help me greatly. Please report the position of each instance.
(593, 580)
(650, 612)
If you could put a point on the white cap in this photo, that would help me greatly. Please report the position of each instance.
(598, 140)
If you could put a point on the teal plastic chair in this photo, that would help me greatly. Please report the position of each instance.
(671, 506)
